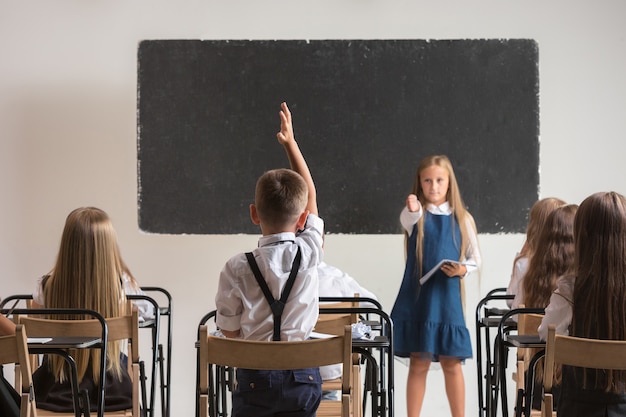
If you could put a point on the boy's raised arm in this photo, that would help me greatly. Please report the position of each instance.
(296, 160)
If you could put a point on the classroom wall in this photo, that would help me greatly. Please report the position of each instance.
(68, 133)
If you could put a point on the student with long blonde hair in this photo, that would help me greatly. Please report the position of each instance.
(429, 321)
(87, 274)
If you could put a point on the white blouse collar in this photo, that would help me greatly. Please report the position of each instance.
(441, 209)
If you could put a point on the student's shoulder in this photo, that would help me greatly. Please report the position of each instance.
(235, 262)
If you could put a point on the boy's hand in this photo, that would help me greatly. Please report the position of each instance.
(286, 127)
(412, 203)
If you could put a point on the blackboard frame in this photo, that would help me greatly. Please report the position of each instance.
(365, 113)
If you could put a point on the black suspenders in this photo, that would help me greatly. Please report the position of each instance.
(277, 306)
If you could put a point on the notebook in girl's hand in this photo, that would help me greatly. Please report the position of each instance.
(438, 267)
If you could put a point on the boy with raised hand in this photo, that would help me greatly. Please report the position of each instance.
(272, 292)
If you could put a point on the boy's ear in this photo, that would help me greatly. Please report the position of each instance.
(254, 216)
(302, 219)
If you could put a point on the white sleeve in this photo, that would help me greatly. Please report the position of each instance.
(38, 293)
(144, 307)
(409, 218)
(559, 311)
(515, 285)
(472, 253)
(228, 302)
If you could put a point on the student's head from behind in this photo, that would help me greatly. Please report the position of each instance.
(539, 212)
(558, 230)
(436, 183)
(88, 267)
(280, 201)
(600, 266)
(87, 274)
(553, 258)
(600, 236)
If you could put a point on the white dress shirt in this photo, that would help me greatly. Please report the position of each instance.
(240, 302)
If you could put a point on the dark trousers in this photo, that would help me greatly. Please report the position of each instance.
(295, 393)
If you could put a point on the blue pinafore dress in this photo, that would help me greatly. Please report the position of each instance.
(428, 319)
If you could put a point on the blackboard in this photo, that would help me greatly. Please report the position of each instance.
(365, 113)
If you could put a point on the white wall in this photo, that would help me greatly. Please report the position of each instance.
(68, 131)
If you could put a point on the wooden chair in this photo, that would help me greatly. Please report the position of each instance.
(527, 324)
(252, 354)
(11, 303)
(581, 352)
(13, 349)
(118, 328)
(335, 324)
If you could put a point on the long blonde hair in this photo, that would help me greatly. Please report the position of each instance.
(87, 275)
(453, 196)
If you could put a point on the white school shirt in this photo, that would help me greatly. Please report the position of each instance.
(472, 254)
(559, 310)
(336, 283)
(516, 285)
(240, 302)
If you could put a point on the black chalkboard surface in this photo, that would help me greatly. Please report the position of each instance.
(365, 113)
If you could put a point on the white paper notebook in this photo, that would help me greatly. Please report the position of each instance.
(438, 267)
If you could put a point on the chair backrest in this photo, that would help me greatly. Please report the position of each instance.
(527, 324)
(119, 328)
(580, 352)
(14, 349)
(262, 355)
(124, 327)
(334, 323)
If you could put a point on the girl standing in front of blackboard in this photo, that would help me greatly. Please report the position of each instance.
(429, 322)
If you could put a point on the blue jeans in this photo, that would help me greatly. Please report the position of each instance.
(295, 393)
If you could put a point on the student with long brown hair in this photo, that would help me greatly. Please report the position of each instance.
(591, 302)
(539, 212)
(87, 274)
(553, 258)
